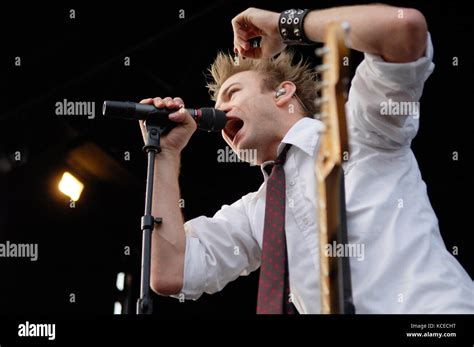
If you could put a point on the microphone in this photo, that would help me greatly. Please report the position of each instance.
(208, 119)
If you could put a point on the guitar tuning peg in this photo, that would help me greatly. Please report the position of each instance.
(321, 116)
(322, 68)
(321, 51)
(320, 101)
(346, 26)
(321, 85)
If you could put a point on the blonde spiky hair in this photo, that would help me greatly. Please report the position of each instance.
(274, 70)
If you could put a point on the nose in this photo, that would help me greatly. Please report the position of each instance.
(224, 108)
(221, 103)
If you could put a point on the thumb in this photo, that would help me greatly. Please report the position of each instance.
(182, 116)
(143, 129)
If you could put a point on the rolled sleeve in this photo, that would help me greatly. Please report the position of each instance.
(394, 75)
(219, 249)
(194, 267)
(378, 84)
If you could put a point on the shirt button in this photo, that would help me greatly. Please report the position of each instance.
(305, 221)
(292, 182)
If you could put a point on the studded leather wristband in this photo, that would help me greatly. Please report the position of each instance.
(291, 28)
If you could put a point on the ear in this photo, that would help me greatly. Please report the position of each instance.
(285, 98)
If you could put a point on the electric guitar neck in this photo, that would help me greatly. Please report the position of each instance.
(335, 277)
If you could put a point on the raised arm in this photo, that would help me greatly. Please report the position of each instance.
(396, 34)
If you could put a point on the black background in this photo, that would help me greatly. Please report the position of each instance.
(81, 249)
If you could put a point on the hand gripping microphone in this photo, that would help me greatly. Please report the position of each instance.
(208, 119)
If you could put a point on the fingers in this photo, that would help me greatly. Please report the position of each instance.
(254, 23)
(180, 116)
(241, 31)
(244, 30)
(143, 129)
(184, 119)
(164, 102)
(179, 102)
(240, 40)
(148, 101)
(158, 102)
(241, 46)
(170, 103)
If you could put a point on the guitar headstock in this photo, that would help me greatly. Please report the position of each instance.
(335, 78)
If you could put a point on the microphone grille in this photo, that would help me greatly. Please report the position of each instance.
(212, 119)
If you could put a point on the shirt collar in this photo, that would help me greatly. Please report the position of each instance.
(304, 135)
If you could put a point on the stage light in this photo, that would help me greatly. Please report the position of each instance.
(71, 186)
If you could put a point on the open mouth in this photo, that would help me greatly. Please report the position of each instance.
(233, 126)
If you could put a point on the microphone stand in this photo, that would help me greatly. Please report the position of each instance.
(152, 147)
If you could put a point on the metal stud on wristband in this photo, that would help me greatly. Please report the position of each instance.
(291, 28)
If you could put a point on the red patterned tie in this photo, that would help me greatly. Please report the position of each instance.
(273, 287)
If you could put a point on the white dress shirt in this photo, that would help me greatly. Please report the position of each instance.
(404, 267)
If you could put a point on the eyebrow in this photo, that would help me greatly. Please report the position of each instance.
(228, 87)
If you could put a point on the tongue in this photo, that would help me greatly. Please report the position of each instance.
(234, 127)
(238, 125)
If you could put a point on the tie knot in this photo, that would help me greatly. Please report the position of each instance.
(280, 160)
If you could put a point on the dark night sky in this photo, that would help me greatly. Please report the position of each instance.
(82, 249)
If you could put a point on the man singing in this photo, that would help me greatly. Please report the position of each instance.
(269, 102)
